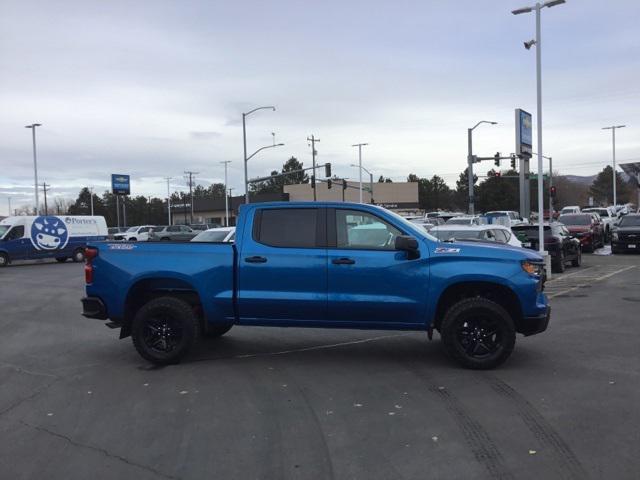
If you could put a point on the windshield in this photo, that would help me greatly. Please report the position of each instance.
(132, 229)
(211, 236)
(627, 221)
(496, 214)
(458, 221)
(575, 219)
(444, 235)
(530, 232)
(568, 210)
(4, 229)
(600, 211)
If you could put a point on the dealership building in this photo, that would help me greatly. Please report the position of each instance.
(401, 197)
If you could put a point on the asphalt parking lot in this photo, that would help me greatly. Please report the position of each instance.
(78, 403)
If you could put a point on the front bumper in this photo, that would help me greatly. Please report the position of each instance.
(625, 245)
(93, 307)
(532, 325)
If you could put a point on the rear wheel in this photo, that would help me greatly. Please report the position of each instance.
(559, 264)
(478, 333)
(4, 260)
(164, 330)
(576, 262)
(78, 255)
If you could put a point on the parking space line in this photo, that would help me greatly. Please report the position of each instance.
(595, 279)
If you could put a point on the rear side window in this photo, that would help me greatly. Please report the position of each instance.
(287, 227)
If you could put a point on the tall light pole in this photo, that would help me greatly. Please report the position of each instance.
(168, 179)
(538, 43)
(613, 139)
(360, 145)
(470, 162)
(35, 162)
(244, 143)
(370, 178)
(226, 197)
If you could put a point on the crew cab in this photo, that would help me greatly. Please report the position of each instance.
(316, 264)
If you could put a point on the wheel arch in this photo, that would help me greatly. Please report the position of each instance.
(496, 292)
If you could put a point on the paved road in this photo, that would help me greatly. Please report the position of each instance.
(77, 403)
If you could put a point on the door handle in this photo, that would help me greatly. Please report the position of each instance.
(255, 259)
(343, 261)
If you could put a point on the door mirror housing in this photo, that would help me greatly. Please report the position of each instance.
(409, 244)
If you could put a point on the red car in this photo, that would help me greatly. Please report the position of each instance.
(586, 228)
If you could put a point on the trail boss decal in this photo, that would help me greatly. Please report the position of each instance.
(446, 250)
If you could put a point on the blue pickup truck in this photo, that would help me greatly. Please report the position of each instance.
(332, 265)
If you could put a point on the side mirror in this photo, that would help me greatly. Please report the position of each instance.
(408, 244)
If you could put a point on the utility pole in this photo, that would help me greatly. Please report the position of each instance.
(91, 193)
(168, 179)
(229, 197)
(226, 198)
(613, 139)
(191, 175)
(35, 162)
(313, 141)
(360, 145)
(45, 189)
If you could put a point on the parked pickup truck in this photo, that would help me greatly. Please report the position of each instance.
(333, 265)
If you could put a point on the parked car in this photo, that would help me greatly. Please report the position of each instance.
(570, 209)
(138, 234)
(607, 216)
(626, 234)
(562, 246)
(512, 218)
(467, 220)
(486, 233)
(222, 234)
(319, 264)
(585, 227)
(176, 233)
(426, 224)
(201, 227)
(114, 232)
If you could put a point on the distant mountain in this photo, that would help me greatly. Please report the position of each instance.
(582, 180)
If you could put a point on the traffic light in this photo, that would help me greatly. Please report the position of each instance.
(552, 192)
(327, 169)
(313, 181)
(344, 184)
(513, 162)
(329, 184)
(497, 159)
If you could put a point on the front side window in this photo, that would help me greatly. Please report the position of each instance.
(15, 233)
(362, 230)
(287, 227)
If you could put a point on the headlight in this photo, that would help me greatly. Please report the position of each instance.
(533, 268)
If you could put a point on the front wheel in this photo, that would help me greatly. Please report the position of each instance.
(559, 265)
(576, 262)
(478, 333)
(164, 330)
(4, 260)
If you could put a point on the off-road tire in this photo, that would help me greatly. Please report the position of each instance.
(172, 311)
(461, 316)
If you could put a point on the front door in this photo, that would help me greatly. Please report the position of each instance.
(282, 267)
(369, 281)
(16, 245)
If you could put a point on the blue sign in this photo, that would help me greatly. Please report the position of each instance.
(49, 233)
(524, 132)
(120, 184)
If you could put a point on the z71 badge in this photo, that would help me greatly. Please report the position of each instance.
(447, 250)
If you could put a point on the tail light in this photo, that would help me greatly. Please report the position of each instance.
(89, 255)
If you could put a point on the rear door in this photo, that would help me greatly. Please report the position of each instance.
(282, 266)
(370, 282)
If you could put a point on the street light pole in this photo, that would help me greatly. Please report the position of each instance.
(244, 143)
(360, 167)
(613, 139)
(538, 43)
(91, 193)
(35, 162)
(470, 162)
(226, 197)
(360, 145)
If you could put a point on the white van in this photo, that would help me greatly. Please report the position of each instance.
(48, 236)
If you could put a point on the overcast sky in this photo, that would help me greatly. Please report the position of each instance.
(153, 88)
